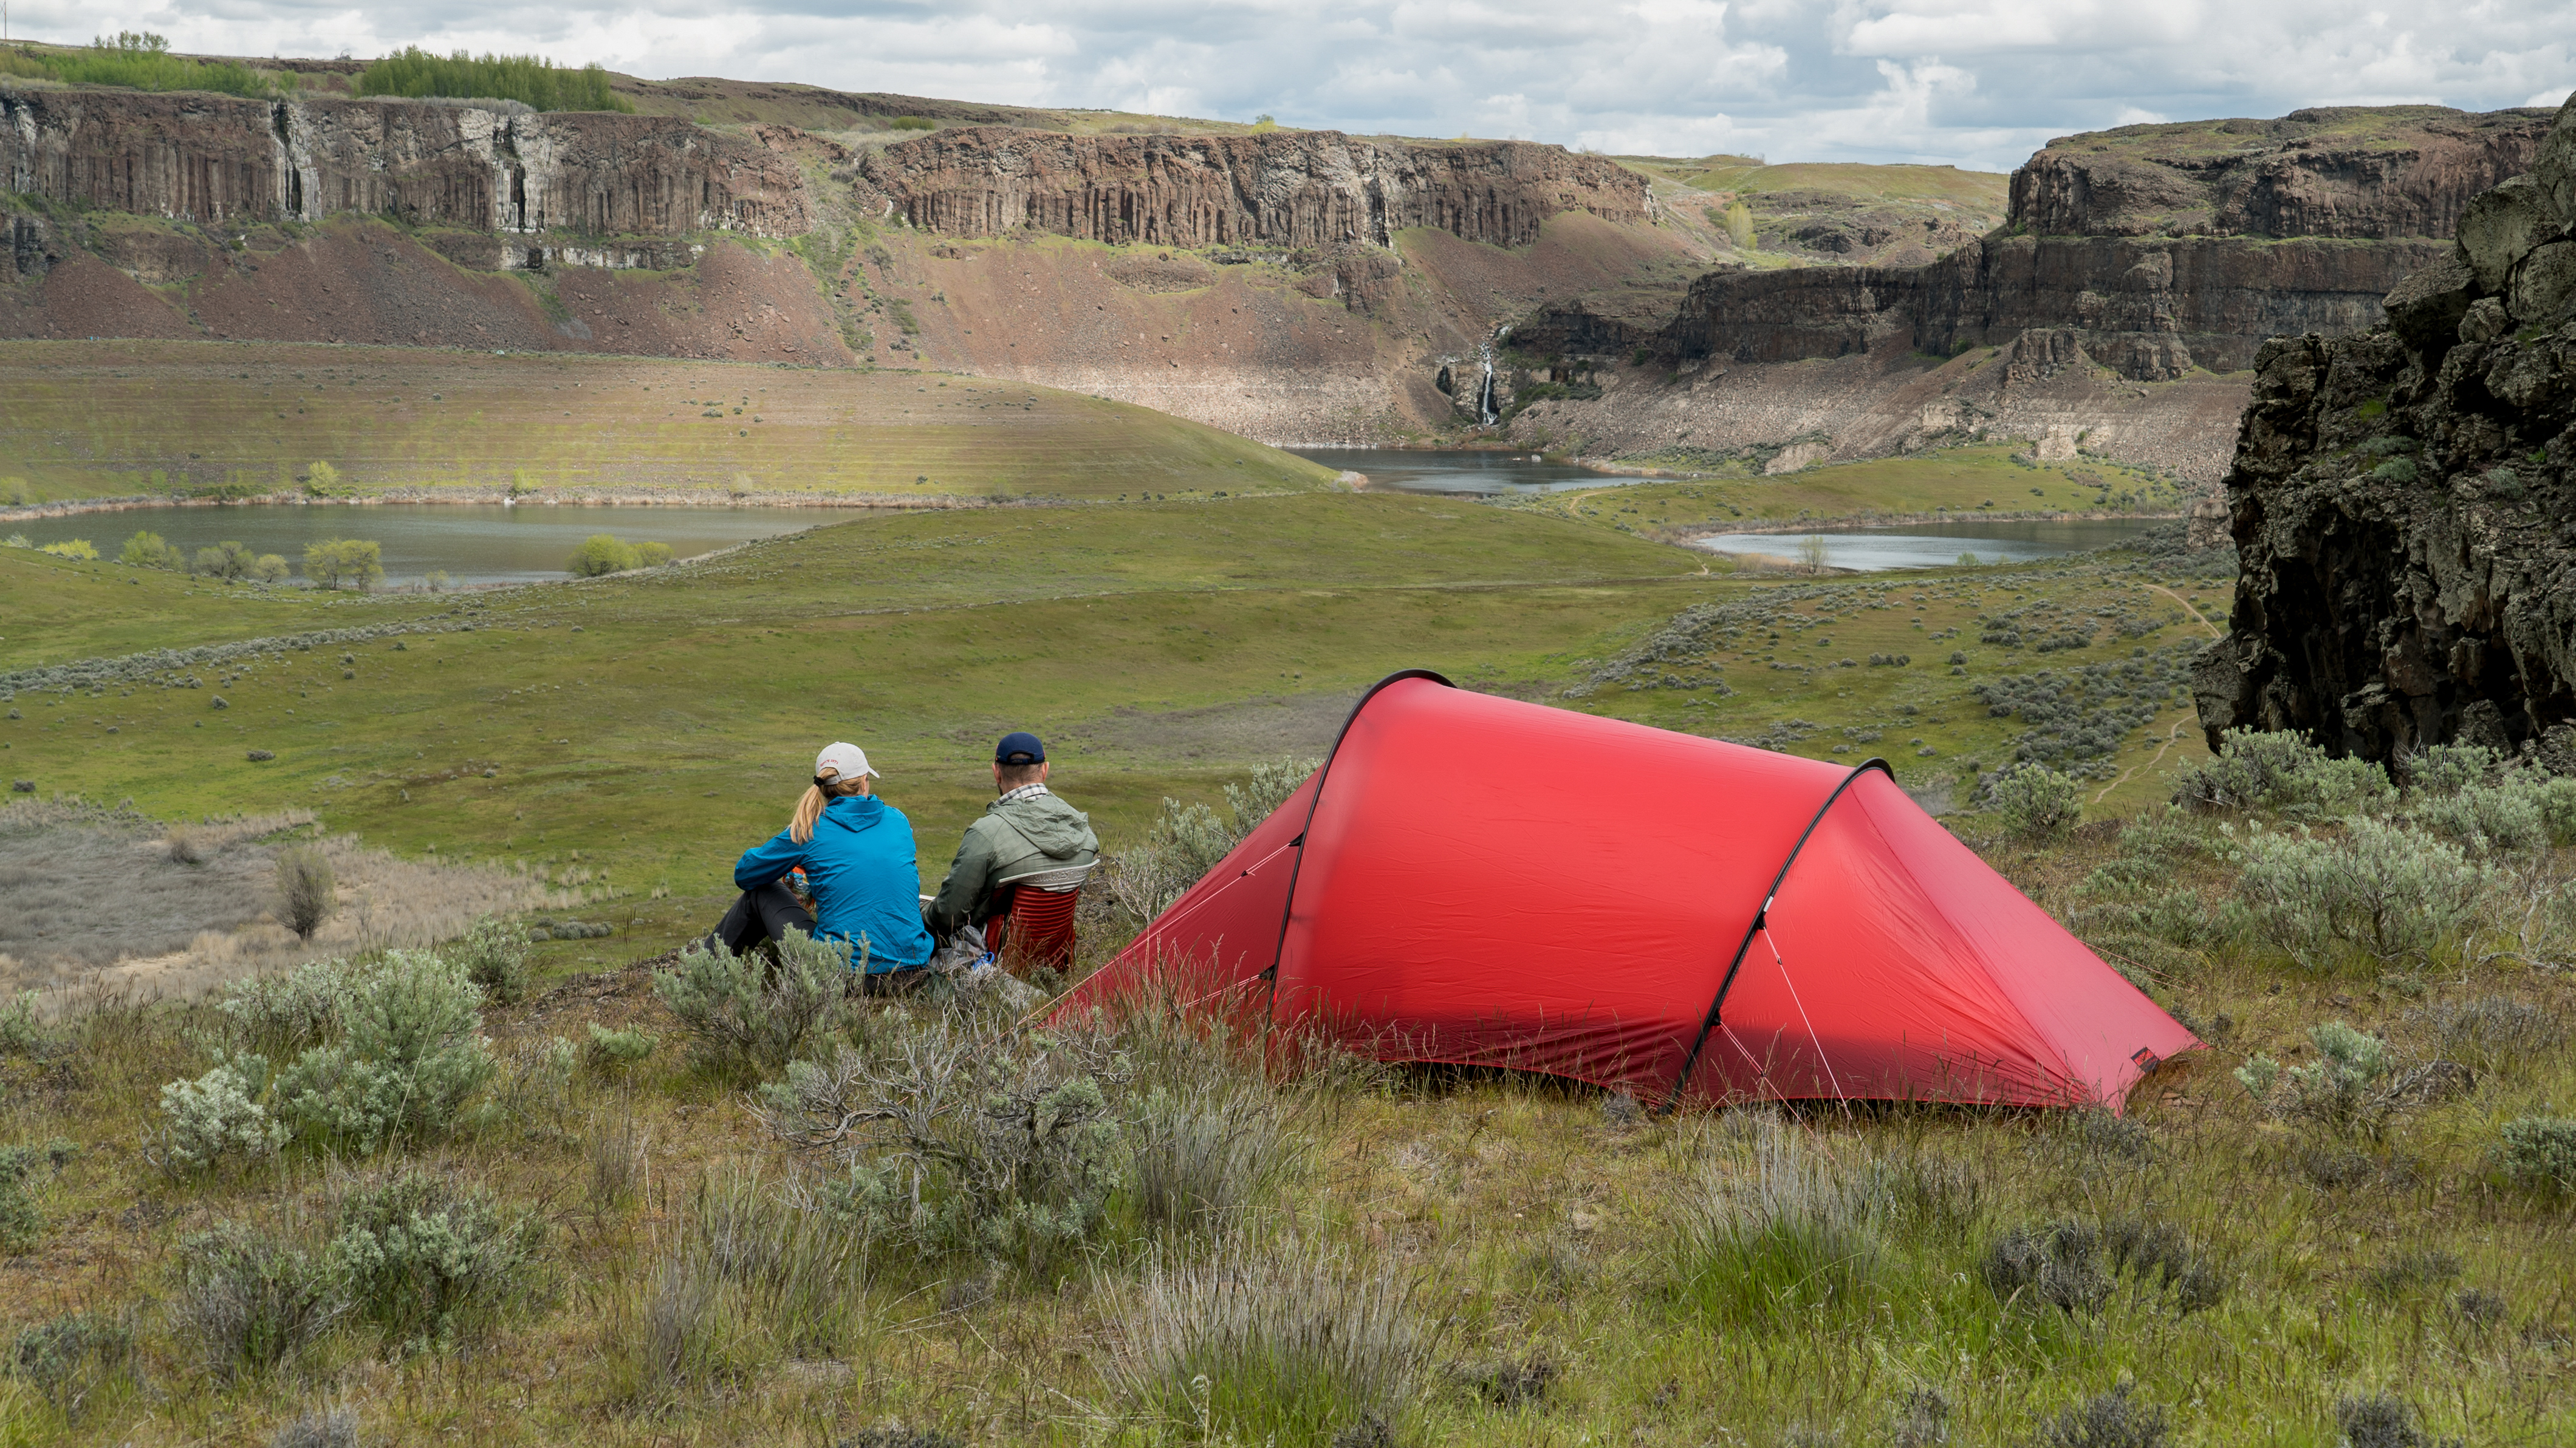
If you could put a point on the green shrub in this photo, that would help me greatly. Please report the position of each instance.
(226, 560)
(746, 1015)
(248, 1299)
(323, 481)
(220, 1119)
(76, 549)
(142, 61)
(2506, 816)
(2036, 802)
(149, 550)
(601, 554)
(912, 123)
(427, 1260)
(962, 1138)
(2338, 1089)
(1771, 1227)
(280, 1015)
(616, 1050)
(307, 895)
(268, 568)
(1187, 840)
(22, 1033)
(408, 1056)
(335, 561)
(2387, 890)
(1291, 1345)
(68, 1359)
(495, 957)
(2540, 1151)
(2450, 768)
(531, 80)
(651, 554)
(2283, 771)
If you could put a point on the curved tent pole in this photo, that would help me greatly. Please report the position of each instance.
(1289, 906)
(1762, 917)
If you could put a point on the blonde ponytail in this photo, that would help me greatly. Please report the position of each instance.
(809, 806)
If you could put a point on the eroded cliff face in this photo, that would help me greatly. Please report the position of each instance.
(2162, 248)
(218, 159)
(1282, 189)
(2405, 503)
(2366, 173)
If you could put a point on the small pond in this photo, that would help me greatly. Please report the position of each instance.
(1934, 545)
(472, 543)
(1484, 474)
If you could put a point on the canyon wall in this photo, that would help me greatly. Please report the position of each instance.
(2405, 503)
(1278, 189)
(217, 160)
(2161, 248)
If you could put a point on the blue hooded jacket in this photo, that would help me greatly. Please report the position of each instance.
(864, 874)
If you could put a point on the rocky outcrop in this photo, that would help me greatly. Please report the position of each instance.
(1280, 189)
(2159, 248)
(2405, 502)
(218, 159)
(2362, 173)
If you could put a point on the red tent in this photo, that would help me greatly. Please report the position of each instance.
(1473, 879)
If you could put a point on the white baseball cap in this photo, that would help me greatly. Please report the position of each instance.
(848, 761)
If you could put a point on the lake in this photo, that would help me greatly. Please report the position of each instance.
(473, 543)
(1484, 474)
(1935, 545)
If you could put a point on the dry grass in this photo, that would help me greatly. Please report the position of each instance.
(177, 908)
(1443, 1257)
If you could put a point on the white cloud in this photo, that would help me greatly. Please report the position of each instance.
(1971, 82)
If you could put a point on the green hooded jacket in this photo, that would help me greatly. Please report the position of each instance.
(1015, 837)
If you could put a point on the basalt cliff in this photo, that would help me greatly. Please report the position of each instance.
(2145, 258)
(1294, 286)
(2404, 501)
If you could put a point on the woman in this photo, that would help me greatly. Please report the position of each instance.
(857, 854)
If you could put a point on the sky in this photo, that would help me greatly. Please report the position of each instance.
(1973, 83)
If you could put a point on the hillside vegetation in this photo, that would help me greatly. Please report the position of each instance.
(589, 1200)
(154, 419)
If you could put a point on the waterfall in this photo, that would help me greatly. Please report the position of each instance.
(1486, 412)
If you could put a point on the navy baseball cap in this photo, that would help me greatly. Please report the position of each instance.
(1019, 748)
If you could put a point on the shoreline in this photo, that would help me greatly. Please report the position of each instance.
(136, 502)
(1683, 533)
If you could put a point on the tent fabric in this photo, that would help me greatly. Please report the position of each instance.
(1497, 883)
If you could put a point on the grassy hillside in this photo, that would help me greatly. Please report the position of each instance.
(1548, 1255)
(106, 419)
(1516, 1260)
(1165, 635)
(1983, 481)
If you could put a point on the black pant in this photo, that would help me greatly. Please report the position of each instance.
(760, 916)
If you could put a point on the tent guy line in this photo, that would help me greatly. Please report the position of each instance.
(1761, 926)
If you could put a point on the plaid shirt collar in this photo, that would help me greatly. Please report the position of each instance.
(1026, 791)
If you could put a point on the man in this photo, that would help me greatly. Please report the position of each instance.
(1019, 870)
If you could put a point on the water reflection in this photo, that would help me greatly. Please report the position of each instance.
(1927, 545)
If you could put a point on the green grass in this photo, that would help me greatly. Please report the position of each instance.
(683, 709)
(136, 62)
(1973, 481)
(675, 725)
(109, 419)
(1976, 191)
